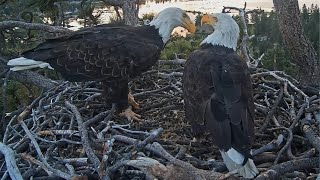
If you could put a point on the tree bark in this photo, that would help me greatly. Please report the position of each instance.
(33, 26)
(301, 50)
(130, 10)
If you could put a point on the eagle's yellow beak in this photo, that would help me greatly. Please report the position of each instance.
(189, 25)
(208, 19)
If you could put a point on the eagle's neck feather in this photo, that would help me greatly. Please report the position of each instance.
(165, 28)
(226, 38)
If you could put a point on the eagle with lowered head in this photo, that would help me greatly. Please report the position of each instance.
(217, 94)
(112, 54)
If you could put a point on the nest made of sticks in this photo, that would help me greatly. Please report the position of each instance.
(68, 133)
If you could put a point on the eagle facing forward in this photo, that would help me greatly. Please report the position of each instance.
(218, 98)
(111, 54)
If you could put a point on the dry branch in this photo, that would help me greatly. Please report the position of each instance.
(289, 166)
(12, 167)
(313, 138)
(33, 26)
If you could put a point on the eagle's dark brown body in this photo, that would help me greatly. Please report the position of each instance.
(218, 97)
(108, 53)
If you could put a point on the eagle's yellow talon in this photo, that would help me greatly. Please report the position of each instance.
(130, 115)
(132, 102)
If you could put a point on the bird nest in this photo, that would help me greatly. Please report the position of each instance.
(68, 133)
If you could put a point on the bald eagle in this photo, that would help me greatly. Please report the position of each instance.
(217, 93)
(111, 54)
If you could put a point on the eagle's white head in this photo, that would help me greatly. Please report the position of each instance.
(226, 30)
(170, 18)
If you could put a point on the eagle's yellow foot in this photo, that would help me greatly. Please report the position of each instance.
(130, 115)
(132, 102)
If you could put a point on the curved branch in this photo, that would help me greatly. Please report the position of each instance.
(33, 26)
(12, 167)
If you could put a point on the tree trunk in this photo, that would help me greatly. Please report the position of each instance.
(130, 9)
(301, 50)
(130, 12)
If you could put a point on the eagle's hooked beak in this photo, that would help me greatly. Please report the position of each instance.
(188, 24)
(208, 19)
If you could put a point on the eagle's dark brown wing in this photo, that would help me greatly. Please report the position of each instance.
(218, 97)
(102, 53)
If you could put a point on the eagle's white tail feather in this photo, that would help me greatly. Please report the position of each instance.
(232, 159)
(22, 63)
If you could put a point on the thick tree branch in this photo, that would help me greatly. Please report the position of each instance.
(33, 26)
(313, 138)
(289, 166)
(36, 79)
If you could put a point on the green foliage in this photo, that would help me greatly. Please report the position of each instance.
(277, 59)
(269, 41)
(47, 7)
(12, 41)
(181, 46)
(18, 95)
(198, 19)
(85, 12)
